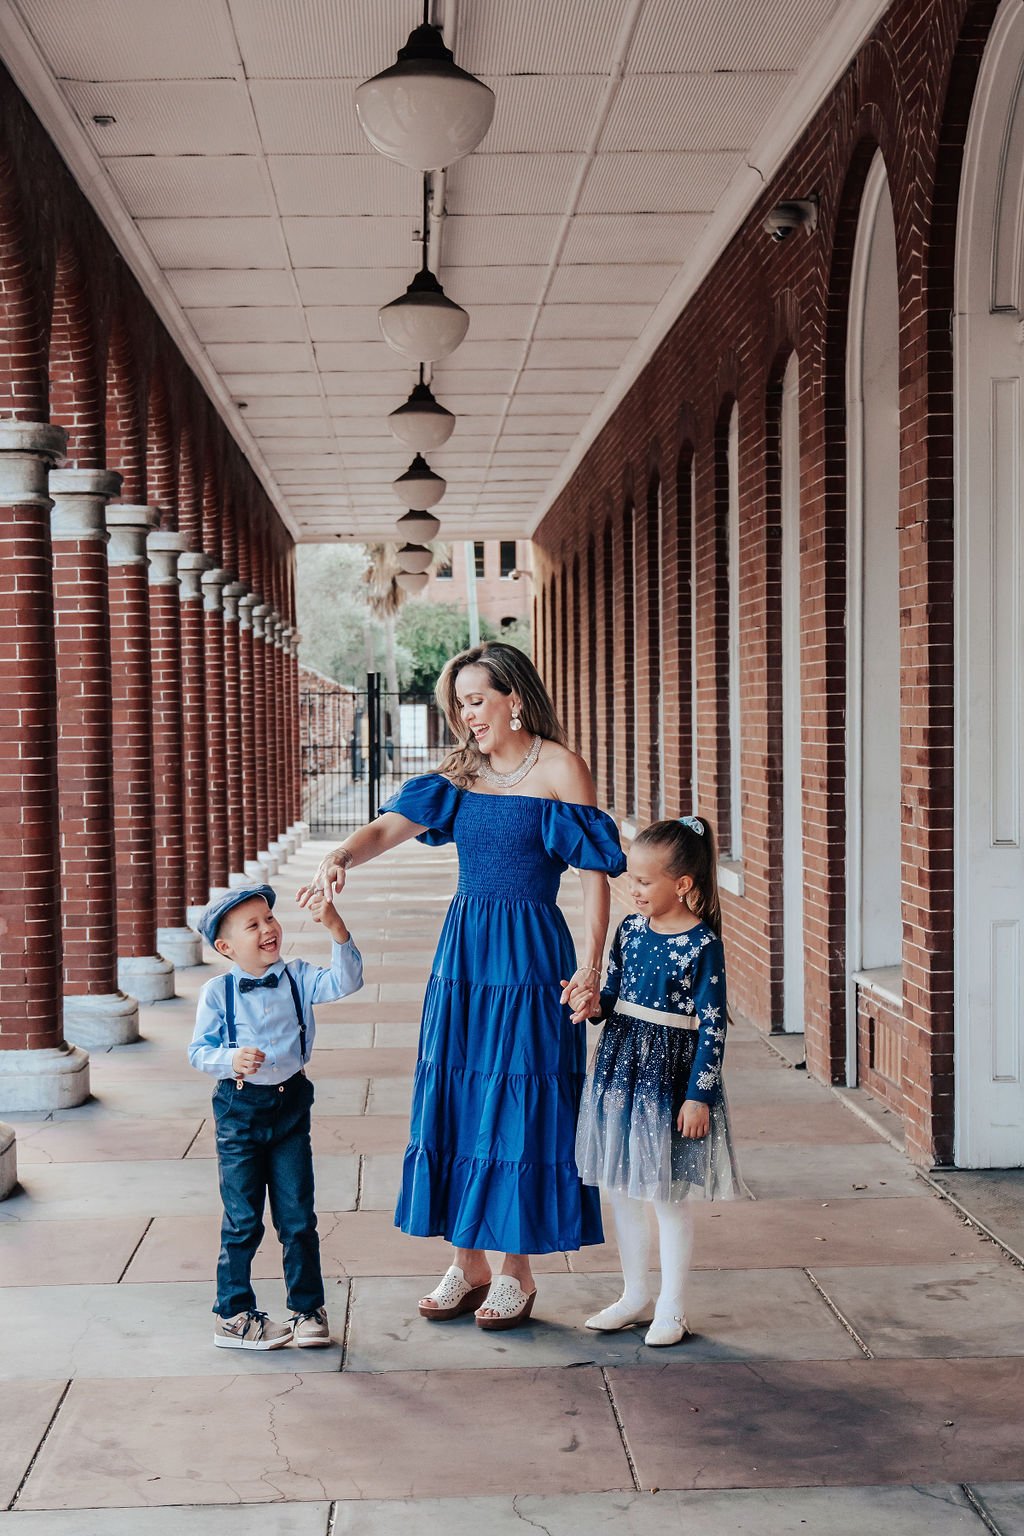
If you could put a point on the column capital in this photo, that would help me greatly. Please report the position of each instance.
(129, 527)
(79, 499)
(232, 595)
(190, 573)
(213, 583)
(28, 449)
(246, 605)
(165, 550)
(260, 615)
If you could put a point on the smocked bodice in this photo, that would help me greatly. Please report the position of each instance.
(511, 847)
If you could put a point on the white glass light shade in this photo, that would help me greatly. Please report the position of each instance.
(423, 324)
(412, 581)
(424, 111)
(419, 486)
(414, 558)
(418, 527)
(422, 423)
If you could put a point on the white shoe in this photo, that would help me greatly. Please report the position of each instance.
(620, 1315)
(665, 1331)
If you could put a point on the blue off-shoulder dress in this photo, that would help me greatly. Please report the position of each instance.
(491, 1156)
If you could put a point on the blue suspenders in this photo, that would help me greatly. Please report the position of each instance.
(229, 1014)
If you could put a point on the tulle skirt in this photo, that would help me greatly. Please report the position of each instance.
(627, 1139)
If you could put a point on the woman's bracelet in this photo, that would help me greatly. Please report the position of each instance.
(590, 970)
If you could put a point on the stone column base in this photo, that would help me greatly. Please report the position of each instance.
(149, 978)
(288, 843)
(99, 1020)
(217, 891)
(181, 946)
(8, 1160)
(299, 831)
(268, 860)
(277, 850)
(56, 1078)
(256, 872)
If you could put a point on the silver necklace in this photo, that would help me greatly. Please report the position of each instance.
(506, 780)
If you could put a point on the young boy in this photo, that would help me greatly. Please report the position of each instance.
(254, 1031)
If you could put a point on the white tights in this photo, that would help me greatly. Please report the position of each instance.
(675, 1244)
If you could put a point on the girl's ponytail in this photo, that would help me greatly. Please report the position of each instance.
(691, 849)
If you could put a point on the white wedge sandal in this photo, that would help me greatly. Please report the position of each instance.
(453, 1297)
(509, 1302)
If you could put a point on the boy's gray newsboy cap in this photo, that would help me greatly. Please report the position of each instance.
(218, 910)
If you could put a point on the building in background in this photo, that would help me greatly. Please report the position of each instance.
(504, 582)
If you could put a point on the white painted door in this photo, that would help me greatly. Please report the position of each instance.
(989, 576)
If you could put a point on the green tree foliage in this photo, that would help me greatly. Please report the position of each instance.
(340, 632)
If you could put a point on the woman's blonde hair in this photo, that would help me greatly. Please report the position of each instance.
(510, 671)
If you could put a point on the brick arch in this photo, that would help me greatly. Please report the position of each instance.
(24, 390)
(76, 388)
(126, 442)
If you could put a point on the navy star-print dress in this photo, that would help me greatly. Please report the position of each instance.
(644, 1069)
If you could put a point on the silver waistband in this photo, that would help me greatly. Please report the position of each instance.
(656, 1015)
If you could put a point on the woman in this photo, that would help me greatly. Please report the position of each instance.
(490, 1162)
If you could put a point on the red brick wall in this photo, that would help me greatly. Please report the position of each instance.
(908, 93)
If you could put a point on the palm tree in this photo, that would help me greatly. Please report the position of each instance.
(385, 598)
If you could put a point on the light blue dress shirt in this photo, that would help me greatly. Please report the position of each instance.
(265, 1017)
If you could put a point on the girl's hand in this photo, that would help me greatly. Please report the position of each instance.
(584, 999)
(247, 1060)
(694, 1120)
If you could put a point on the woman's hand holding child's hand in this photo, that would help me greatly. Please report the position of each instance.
(694, 1120)
(584, 1000)
(247, 1060)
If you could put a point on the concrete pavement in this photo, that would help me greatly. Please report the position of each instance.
(858, 1358)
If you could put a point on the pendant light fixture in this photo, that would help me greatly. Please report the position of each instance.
(418, 527)
(424, 323)
(412, 581)
(421, 423)
(424, 111)
(414, 558)
(419, 486)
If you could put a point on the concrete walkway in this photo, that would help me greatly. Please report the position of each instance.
(858, 1361)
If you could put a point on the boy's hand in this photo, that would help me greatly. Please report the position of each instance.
(323, 910)
(694, 1120)
(247, 1060)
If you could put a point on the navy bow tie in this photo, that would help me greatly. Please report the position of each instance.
(249, 983)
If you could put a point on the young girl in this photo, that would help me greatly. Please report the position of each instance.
(653, 1125)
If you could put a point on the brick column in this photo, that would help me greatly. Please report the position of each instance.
(174, 938)
(233, 706)
(273, 653)
(261, 737)
(37, 1069)
(252, 866)
(298, 827)
(214, 583)
(193, 725)
(142, 972)
(97, 1013)
(288, 836)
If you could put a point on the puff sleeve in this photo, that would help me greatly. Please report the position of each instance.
(582, 837)
(431, 801)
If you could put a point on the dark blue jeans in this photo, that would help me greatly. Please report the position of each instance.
(263, 1149)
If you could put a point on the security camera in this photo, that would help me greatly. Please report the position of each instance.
(800, 213)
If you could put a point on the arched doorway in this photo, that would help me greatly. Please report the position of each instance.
(874, 925)
(989, 585)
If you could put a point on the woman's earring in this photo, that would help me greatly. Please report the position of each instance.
(515, 724)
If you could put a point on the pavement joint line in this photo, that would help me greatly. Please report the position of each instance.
(135, 1250)
(195, 1138)
(838, 1315)
(332, 1518)
(1004, 1247)
(978, 1505)
(620, 1426)
(347, 1329)
(36, 1454)
(359, 1181)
